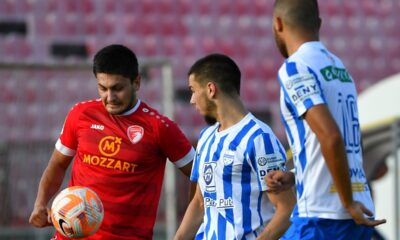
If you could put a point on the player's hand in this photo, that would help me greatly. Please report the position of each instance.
(40, 217)
(358, 211)
(278, 181)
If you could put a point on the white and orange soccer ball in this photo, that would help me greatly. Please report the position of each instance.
(77, 212)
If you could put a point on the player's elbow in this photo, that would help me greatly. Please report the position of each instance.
(333, 140)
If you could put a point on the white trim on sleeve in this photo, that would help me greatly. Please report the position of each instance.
(64, 150)
(186, 159)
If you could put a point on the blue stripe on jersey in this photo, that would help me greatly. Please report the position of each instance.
(292, 109)
(221, 227)
(214, 236)
(269, 149)
(252, 157)
(220, 145)
(308, 103)
(194, 177)
(227, 181)
(281, 151)
(202, 132)
(255, 234)
(291, 68)
(300, 188)
(245, 198)
(302, 154)
(208, 194)
(208, 225)
(295, 210)
(207, 159)
(205, 142)
(302, 138)
(300, 130)
(227, 177)
(238, 138)
(318, 82)
(289, 133)
(215, 156)
(250, 150)
(259, 208)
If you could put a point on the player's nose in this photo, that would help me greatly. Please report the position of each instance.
(111, 96)
(192, 101)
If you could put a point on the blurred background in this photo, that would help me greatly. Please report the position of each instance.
(46, 48)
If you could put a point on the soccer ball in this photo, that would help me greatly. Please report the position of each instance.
(77, 212)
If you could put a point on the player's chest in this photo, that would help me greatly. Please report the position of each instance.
(221, 166)
(132, 140)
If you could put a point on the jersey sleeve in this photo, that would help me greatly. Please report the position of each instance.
(301, 87)
(174, 143)
(67, 142)
(267, 155)
(194, 176)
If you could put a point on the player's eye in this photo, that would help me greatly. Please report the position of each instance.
(101, 88)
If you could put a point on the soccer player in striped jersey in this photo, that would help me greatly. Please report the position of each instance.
(319, 110)
(232, 158)
(119, 146)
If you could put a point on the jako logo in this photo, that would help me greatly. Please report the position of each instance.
(97, 126)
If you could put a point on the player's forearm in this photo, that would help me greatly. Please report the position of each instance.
(49, 184)
(191, 221)
(336, 160)
(284, 203)
(192, 190)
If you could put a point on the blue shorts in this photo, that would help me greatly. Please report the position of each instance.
(326, 229)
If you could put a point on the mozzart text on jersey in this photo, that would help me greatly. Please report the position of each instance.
(109, 163)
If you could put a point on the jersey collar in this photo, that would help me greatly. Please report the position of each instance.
(132, 110)
(310, 45)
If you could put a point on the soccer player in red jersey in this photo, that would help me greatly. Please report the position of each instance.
(119, 146)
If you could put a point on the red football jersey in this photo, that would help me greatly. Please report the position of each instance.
(122, 158)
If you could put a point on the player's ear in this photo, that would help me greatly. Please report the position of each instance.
(278, 24)
(136, 82)
(319, 23)
(211, 90)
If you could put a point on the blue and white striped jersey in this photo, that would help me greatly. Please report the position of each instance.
(312, 76)
(229, 167)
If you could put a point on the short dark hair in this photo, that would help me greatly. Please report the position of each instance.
(220, 69)
(116, 59)
(300, 14)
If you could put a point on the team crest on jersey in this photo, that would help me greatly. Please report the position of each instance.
(208, 175)
(135, 133)
(228, 157)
